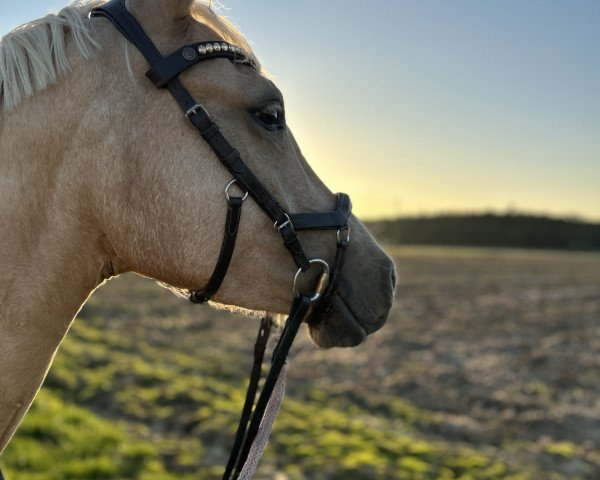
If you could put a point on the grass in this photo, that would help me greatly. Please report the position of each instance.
(117, 407)
(61, 441)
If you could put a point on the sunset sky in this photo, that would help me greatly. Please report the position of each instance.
(438, 106)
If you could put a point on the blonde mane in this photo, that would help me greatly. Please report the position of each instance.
(33, 56)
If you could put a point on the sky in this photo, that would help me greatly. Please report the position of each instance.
(417, 107)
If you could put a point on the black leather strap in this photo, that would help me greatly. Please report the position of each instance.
(117, 13)
(230, 157)
(232, 222)
(322, 308)
(323, 221)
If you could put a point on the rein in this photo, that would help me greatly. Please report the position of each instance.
(164, 73)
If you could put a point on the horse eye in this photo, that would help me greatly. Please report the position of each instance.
(271, 117)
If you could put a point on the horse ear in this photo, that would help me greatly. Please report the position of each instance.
(161, 15)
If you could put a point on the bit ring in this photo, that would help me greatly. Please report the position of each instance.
(322, 282)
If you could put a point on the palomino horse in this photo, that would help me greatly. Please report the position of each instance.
(100, 174)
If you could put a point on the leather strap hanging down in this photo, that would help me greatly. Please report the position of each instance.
(296, 316)
(259, 445)
(259, 354)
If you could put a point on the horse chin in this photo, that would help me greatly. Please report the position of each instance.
(336, 325)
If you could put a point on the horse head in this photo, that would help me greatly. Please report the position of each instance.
(103, 174)
(159, 196)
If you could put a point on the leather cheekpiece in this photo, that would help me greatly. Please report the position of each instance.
(232, 222)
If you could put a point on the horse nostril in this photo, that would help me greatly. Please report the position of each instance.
(393, 276)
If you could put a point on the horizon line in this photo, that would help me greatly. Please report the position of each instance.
(570, 217)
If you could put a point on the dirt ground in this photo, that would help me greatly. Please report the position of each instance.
(501, 346)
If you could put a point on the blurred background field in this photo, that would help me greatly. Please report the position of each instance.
(487, 369)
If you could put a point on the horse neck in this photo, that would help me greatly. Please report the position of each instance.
(50, 249)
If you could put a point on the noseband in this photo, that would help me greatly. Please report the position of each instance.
(164, 72)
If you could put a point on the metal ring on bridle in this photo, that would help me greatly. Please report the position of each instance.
(322, 282)
(227, 190)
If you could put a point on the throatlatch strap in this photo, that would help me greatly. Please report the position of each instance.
(232, 222)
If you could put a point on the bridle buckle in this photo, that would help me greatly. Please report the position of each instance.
(193, 110)
(339, 235)
(284, 224)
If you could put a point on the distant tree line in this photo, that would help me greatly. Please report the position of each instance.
(490, 230)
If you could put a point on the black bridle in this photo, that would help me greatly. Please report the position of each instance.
(164, 73)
